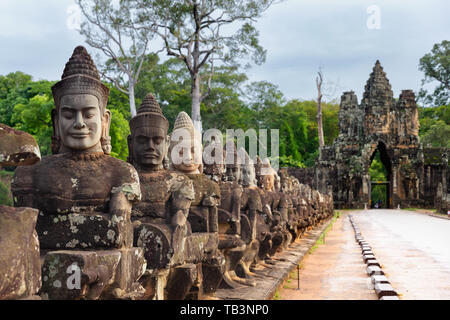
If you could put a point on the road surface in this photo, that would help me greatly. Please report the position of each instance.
(413, 249)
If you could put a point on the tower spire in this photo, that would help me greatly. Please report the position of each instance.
(378, 85)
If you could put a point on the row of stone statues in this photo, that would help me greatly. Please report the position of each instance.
(152, 228)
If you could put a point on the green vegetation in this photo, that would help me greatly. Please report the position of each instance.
(5, 198)
(277, 296)
(5, 195)
(378, 172)
(232, 103)
(321, 239)
(435, 126)
(436, 68)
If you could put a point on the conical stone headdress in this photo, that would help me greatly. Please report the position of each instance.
(149, 114)
(80, 76)
(183, 121)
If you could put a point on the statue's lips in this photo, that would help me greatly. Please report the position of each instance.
(150, 156)
(79, 135)
(190, 165)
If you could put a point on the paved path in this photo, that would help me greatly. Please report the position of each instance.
(413, 249)
(334, 271)
(271, 278)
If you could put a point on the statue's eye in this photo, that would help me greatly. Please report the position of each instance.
(89, 115)
(67, 114)
(141, 139)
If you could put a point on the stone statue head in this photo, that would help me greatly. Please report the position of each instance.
(185, 151)
(232, 165)
(285, 181)
(216, 169)
(265, 174)
(80, 120)
(248, 174)
(148, 142)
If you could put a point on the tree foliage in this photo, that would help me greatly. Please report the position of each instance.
(436, 67)
(114, 28)
(435, 126)
(196, 32)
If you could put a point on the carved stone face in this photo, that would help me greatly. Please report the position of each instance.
(150, 145)
(80, 122)
(248, 175)
(268, 182)
(190, 162)
(233, 172)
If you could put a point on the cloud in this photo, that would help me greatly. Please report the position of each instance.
(38, 37)
(302, 35)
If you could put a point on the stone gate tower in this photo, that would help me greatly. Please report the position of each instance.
(380, 122)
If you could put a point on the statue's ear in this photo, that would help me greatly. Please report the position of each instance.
(106, 123)
(130, 148)
(56, 138)
(105, 138)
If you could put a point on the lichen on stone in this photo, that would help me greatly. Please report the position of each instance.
(132, 191)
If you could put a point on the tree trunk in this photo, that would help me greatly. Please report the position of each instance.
(319, 110)
(319, 123)
(131, 98)
(196, 100)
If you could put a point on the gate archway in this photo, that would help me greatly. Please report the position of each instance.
(385, 180)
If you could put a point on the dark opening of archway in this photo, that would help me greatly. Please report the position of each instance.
(380, 177)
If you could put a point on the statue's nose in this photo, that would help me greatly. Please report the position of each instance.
(79, 123)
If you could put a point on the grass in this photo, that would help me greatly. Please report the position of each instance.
(277, 296)
(4, 173)
(293, 273)
(321, 239)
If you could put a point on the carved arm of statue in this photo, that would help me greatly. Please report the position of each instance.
(120, 210)
(212, 201)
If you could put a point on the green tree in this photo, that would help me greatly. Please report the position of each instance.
(438, 135)
(119, 132)
(114, 29)
(434, 125)
(11, 89)
(34, 117)
(436, 67)
(193, 32)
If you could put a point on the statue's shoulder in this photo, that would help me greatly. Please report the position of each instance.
(212, 186)
(24, 175)
(126, 178)
(181, 185)
(254, 198)
(204, 187)
(121, 169)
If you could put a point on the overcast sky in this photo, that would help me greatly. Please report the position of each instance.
(343, 37)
